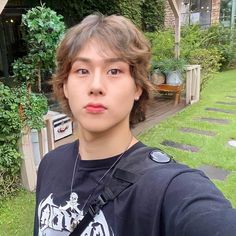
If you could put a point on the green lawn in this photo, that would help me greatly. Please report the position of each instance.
(213, 150)
(17, 213)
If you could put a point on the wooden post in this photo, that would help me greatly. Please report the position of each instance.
(193, 81)
(175, 6)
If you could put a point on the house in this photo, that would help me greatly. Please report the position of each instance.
(203, 12)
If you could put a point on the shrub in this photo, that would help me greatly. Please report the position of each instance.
(215, 37)
(162, 43)
(131, 10)
(42, 29)
(221, 38)
(153, 13)
(192, 38)
(18, 109)
(10, 126)
(209, 59)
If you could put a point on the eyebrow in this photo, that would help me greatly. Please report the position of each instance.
(107, 60)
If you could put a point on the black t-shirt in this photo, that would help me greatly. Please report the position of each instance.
(185, 204)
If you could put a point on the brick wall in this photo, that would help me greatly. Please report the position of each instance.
(169, 16)
(215, 12)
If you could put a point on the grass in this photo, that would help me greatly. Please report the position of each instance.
(213, 150)
(17, 213)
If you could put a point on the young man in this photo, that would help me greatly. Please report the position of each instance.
(109, 183)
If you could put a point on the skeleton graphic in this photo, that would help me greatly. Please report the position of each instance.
(72, 204)
(57, 220)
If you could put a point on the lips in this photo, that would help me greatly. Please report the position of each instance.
(95, 108)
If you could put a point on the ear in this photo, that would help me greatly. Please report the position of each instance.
(65, 90)
(138, 92)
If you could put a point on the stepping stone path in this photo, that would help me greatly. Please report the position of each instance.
(214, 173)
(180, 146)
(232, 143)
(210, 171)
(220, 110)
(197, 131)
(227, 103)
(214, 120)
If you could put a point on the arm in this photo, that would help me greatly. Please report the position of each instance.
(193, 206)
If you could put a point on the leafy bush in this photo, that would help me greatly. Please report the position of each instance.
(18, 109)
(209, 59)
(153, 14)
(162, 43)
(10, 126)
(42, 29)
(74, 11)
(215, 37)
(131, 9)
(192, 38)
(33, 106)
(221, 38)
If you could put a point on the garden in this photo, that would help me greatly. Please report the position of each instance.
(23, 102)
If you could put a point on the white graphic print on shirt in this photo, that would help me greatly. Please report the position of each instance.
(57, 220)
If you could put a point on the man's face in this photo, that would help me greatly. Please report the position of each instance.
(100, 89)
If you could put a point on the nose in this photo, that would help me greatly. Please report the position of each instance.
(97, 84)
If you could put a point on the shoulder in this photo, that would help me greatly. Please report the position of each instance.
(59, 156)
(153, 166)
(61, 151)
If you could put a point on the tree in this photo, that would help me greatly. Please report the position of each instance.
(42, 29)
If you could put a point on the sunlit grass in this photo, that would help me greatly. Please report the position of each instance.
(17, 215)
(213, 150)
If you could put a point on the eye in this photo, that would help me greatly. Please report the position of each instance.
(82, 71)
(114, 72)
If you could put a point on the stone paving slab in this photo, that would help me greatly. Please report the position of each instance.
(232, 143)
(227, 103)
(214, 173)
(214, 120)
(220, 110)
(180, 146)
(197, 131)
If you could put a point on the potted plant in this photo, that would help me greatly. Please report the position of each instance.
(157, 76)
(172, 68)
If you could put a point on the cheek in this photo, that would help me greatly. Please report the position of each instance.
(124, 98)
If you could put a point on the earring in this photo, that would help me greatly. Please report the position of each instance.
(136, 99)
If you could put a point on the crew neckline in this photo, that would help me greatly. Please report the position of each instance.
(105, 162)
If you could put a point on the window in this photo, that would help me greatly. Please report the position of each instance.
(196, 12)
(227, 13)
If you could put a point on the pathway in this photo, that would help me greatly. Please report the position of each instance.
(211, 171)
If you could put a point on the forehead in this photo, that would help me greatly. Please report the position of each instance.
(94, 48)
(100, 48)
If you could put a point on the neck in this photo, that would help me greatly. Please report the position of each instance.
(104, 145)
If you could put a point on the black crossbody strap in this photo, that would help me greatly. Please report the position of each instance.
(126, 173)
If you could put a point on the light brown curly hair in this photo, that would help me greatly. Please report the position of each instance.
(122, 37)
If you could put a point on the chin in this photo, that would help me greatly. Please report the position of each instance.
(102, 126)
